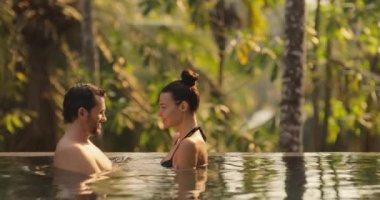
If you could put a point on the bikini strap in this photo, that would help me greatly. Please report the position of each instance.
(194, 130)
(202, 134)
(188, 135)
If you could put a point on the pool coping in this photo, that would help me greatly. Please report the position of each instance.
(41, 154)
(261, 154)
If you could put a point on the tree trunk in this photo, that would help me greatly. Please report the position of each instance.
(40, 134)
(90, 54)
(315, 80)
(41, 55)
(327, 102)
(219, 28)
(221, 68)
(291, 99)
(371, 105)
(38, 48)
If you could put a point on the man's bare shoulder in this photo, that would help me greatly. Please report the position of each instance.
(73, 157)
(65, 148)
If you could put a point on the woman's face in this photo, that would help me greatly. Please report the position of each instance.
(170, 112)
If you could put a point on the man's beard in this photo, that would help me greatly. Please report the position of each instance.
(94, 130)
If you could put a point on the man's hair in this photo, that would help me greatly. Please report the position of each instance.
(82, 95)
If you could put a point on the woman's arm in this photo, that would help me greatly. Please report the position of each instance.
(187, 156)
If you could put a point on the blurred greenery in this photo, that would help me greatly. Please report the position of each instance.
(144, 44)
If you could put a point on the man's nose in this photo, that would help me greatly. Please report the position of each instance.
(104, 118)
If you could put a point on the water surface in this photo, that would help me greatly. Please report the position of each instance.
(229, 176)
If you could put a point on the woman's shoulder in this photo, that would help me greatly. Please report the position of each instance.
(188, 144)
(191, 143)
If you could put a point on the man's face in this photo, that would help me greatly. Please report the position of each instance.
(170, 112)
(97, 116)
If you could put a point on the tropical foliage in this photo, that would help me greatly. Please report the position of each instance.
(236, 46)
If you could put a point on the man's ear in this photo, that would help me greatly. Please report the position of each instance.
(184, 106)
(82, 112)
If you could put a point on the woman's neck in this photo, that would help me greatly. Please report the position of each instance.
(186, 126)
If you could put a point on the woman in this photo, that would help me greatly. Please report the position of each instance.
(179, 101)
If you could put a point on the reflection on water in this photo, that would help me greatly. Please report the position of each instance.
(191, 183)
(228, 176)
(295, 177)
(72, 185)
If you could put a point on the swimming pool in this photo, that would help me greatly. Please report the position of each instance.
(229, 176)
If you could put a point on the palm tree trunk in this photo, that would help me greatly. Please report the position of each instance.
(291, 99)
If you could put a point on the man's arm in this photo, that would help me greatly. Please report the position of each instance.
(76, 159)
(102, 161)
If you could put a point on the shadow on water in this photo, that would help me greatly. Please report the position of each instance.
(295, 179)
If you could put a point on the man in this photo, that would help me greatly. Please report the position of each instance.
(84, 112)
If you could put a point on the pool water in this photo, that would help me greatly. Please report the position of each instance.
(228, 176)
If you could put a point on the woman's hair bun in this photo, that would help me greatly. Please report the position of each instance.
(189, 77)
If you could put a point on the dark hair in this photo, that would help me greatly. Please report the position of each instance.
(185, 89)
(82, 95)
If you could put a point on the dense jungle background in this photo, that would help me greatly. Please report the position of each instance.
(132, 48)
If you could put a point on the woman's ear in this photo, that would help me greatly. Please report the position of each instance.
(184, 106)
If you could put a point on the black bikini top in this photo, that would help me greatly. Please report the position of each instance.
(169, 163)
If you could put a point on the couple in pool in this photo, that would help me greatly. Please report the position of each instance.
(84, 113)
